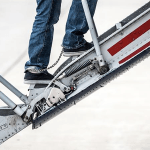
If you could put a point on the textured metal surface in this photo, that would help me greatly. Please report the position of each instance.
(9, 126)
(16, 126)
(102, 82)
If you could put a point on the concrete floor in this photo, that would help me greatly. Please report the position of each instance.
(117, 117)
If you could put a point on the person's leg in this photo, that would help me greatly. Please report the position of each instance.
(48, 12)
(77, 26)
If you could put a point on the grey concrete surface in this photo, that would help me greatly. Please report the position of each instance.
(117, 117)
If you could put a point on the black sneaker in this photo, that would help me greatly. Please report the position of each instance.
(76, 52)
(37, 78)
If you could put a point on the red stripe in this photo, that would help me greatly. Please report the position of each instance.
(134, 53)
(129, 38)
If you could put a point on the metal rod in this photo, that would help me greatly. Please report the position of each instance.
(11, 104)
(22, 97)
(93, 31)
(95, 28)
(7, 101)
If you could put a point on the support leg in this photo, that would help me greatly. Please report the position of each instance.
(11, 104)
(22, 97)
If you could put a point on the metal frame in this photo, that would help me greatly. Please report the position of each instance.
(97, 85)
(11, 123)
(71, 101)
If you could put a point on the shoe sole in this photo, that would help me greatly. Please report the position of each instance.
(37, 81)
(69, 54)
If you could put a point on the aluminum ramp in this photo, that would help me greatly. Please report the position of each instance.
(124, 45)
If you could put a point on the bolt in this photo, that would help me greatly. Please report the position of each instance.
(29, 107)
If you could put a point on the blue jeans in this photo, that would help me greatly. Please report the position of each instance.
(48, 12)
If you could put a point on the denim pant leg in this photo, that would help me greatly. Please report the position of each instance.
(40, 43)
(77, 25)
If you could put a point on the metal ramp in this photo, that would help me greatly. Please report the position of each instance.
(123, 46)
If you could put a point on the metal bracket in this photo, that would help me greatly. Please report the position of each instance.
(63, 87)
(55, 96)
(44, 94)
(118, 26)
